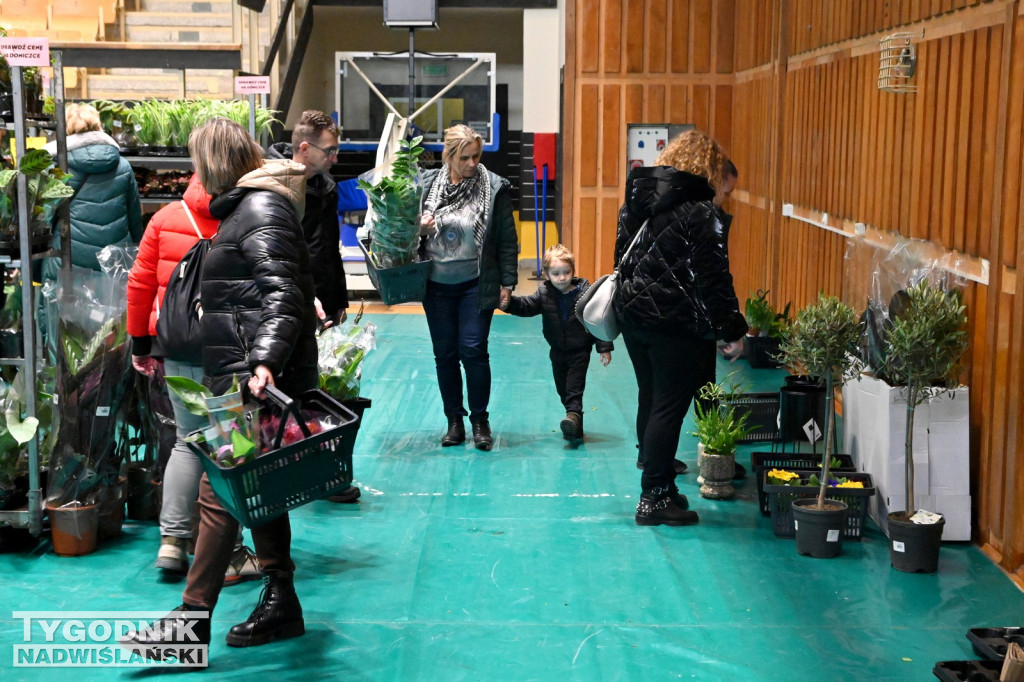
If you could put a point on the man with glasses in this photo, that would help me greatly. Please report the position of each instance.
(315, 145)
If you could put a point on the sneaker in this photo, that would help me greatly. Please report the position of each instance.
(678, 465)
(349, 495)
(172, 557)
(659, 508)
(572, 426)
(244, 566)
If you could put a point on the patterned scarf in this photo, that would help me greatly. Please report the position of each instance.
(469, 198)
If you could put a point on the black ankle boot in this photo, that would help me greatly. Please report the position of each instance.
(179, 632)
(658, 507)
(277, 616)
(482, 433)
(572, 426)
(456, 434)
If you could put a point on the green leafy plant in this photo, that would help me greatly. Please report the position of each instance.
(924, 347)
(15, 431)
(395, 200)
(48, 187)
(823, 343)
(341, 351)
(762, 317)
(715, 422)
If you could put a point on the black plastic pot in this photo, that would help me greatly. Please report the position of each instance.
(143, 494)
(800, 402)
(914, 548)
(819, 532)
(762, 352)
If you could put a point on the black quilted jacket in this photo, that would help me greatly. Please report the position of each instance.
(565, 336)
(257, 293)
(677, 277)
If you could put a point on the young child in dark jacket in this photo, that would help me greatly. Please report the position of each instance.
(555, 300)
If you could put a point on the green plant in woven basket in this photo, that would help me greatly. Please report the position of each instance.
(823, 342)
(923, 348)
(395, 200)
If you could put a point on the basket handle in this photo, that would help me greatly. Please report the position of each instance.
(287, 405)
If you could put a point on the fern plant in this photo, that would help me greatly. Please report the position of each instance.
(923, 346)
(823, 342)
(395, 200)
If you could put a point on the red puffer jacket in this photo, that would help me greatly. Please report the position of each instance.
(167, 239)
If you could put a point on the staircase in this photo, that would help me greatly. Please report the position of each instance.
(172, 21)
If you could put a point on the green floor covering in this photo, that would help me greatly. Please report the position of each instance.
(525, 563)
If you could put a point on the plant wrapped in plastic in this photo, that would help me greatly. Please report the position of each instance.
(395, 204)
(95, 381)
(341, 350)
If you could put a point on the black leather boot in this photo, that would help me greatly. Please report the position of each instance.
(482, 433)
(572, 426)
(658, 507)
(277, 616)
(456, 434)
(174, 636)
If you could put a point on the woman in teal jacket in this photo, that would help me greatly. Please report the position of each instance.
(105, 209)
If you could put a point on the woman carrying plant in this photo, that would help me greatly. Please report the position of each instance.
(473, 250)
(171, 233)
(258, 321)
(675, 299)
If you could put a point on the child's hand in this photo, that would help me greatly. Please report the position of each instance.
(606, 358)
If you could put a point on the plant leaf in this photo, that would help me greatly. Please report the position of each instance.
(191, 394)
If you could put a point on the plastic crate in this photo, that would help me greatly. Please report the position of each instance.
(762, 410)
(762, 352)
(397, 285)
(780, 497)
(259, 491)
(968, 671)
(759, 461)
(992, 643)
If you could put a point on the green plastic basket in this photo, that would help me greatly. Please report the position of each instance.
(403, 284)
(780, 498)
(320, 465)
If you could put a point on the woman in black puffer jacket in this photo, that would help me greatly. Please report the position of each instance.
(258, 322)
(675, 299)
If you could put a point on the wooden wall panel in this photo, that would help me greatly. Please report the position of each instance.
(790, 88)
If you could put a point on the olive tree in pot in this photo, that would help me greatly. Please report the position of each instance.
(823, 343)
(923, 347)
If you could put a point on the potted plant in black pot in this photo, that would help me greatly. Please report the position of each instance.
(923, 347)
(392, 257)
(766, 331)
(823, 342)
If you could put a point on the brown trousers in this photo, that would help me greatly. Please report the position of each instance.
(218, 532)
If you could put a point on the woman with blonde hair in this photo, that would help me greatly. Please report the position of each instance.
(105, 209)
(675, 299)
(473, 249)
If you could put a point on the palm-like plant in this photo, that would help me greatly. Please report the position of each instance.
(924, 346)
(395, 201)
(823, 342)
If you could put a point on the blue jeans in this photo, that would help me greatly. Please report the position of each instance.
(458, 332)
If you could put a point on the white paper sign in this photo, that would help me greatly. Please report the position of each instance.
(833, 536)
(252, 85)
(812, 431)
(103, 411)
(26, 51)
(897, 546)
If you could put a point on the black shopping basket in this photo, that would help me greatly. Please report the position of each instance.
(287, 477)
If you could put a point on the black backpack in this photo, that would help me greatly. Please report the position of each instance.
(177, 324)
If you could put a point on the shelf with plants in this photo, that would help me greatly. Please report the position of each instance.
(29, 197)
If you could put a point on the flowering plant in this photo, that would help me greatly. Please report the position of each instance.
(791, 478)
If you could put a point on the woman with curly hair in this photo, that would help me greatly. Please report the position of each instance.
(675, 299)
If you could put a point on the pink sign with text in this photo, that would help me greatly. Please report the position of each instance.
(26, 51)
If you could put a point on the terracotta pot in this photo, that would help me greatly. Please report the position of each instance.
(73, 529)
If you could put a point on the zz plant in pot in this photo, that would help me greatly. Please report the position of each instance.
(395, 200)
(923, 348)
(823, 342)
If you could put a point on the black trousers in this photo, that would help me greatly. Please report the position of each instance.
(669, 371)
(570, 371)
